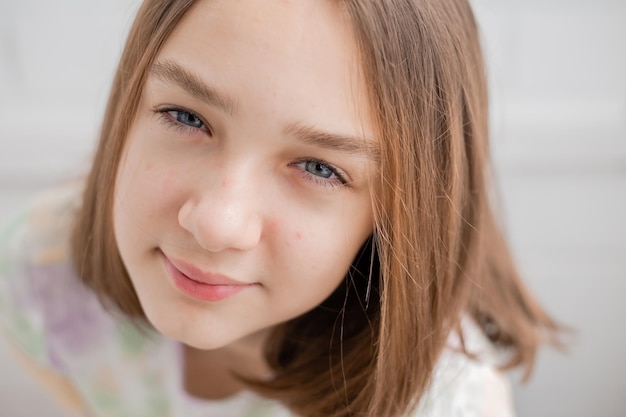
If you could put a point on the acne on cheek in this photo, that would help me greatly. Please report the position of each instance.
(274, 228)
(296, 241)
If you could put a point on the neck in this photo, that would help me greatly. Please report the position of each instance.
(211, 374)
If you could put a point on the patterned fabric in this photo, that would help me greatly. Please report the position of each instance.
(123, 370)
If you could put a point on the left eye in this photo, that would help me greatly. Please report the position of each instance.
(321, 173)
(318, 169)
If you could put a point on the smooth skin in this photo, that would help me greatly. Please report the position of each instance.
(250, 157)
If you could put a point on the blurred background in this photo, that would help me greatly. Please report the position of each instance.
(557, 72)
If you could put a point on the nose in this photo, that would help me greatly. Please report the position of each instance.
(222, 217)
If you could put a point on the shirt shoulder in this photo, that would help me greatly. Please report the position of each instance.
(37, 281)
(468, 384)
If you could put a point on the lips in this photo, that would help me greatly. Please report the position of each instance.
(199, 284)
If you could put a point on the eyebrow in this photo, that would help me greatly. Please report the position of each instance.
(170, 72)
(309, 135)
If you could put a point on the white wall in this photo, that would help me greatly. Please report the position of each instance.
(56, 64)
(559, 132)
(559, 140)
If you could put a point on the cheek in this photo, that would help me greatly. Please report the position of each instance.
(309, 247)
(147, 167)
(146, 183)
(287, 239)
(166, 182)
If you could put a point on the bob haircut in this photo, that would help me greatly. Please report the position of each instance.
(436, 252)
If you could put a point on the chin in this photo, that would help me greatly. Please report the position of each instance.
(188, 335)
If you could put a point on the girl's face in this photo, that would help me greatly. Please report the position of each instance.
(242, 197)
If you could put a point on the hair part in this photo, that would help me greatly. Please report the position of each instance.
(436, 252)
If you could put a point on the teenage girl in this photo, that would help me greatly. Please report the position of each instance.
(287, 214)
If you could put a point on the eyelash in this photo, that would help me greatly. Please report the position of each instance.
(338, 181)
(164, 116)
(170, 121)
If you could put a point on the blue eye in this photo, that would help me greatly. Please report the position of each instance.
(318, 169)
(321, 173)
(186, 118)
(182, 120)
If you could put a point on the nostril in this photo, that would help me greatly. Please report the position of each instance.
(219, 222)
(184, 215)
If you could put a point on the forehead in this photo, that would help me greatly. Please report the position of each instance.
(295, 58)
(281, 28)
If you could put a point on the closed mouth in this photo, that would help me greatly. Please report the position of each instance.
(202, 285)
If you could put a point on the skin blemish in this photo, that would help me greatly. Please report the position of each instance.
(298, 235)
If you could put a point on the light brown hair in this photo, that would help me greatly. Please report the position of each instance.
(436, 252)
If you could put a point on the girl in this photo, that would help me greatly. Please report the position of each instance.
(287, 214)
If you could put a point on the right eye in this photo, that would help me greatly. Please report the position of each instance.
(183, 119)
(186, 118)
